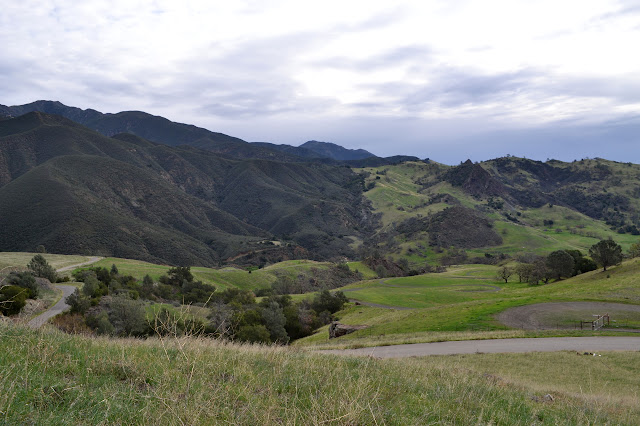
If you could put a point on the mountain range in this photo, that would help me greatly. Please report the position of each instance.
(140, 186)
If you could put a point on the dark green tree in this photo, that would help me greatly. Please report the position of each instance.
(274, 319)
(606, 253)
(256, 333)
(584, 264)
(560, 264)
(78, 301)
(41, 268)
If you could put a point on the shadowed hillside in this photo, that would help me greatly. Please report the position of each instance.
(79, 191)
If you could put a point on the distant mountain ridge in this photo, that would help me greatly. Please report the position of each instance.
(336, 152)
(161, 130)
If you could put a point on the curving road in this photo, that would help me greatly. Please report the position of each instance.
(545, 344)
(56, 309)
(67, 290)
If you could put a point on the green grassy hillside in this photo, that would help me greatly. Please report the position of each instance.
(221, 278)
(450, 305)
(52, 378)
(534, 207)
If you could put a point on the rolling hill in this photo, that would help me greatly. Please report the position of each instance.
(256, 203)
(507, 206)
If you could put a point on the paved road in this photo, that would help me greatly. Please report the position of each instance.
(67, 290)
(59, 307)
(546, 344)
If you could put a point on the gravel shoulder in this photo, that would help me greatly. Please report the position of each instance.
(546, 344)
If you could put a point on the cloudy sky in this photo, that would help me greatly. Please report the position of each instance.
(444, 79)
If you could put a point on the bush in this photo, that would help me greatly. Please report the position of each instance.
(12, 299)
(253, 334)
(128, 316)
(79, 302)
(24, 280)
(325, 301)
(100, 323)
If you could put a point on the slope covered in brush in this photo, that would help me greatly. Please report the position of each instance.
(78, 191)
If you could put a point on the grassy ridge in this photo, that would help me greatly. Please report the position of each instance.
(221, 278)
(52, 378)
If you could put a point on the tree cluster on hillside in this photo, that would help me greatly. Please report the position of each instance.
(114, 304)
(337, 275)
(564, 263)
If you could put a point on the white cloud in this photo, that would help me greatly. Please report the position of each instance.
(278, 70)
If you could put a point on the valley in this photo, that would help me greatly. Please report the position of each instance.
(185, 247)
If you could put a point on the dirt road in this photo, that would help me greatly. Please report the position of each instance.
(541, 316)
(546, 344)
(88, 262)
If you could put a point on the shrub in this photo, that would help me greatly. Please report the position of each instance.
(253, 333)
(127, 316)
(24, 280)
(100, 323)
(12, 299)
(79, 302)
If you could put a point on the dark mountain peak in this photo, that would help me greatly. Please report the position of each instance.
(32, 120)
(474, 179)
(52, 107)
(337, 152)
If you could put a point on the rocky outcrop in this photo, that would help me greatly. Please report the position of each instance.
(336, 329)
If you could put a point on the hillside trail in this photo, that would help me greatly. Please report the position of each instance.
(67, 290)
(91, 260)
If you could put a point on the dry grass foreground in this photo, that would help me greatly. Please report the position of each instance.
(51, 378)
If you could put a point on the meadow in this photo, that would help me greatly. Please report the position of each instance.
(456, 304)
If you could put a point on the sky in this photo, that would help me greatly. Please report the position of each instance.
(440, 79)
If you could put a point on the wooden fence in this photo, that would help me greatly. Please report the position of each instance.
(596, 324)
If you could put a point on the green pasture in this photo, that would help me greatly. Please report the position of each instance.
(465, 299)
